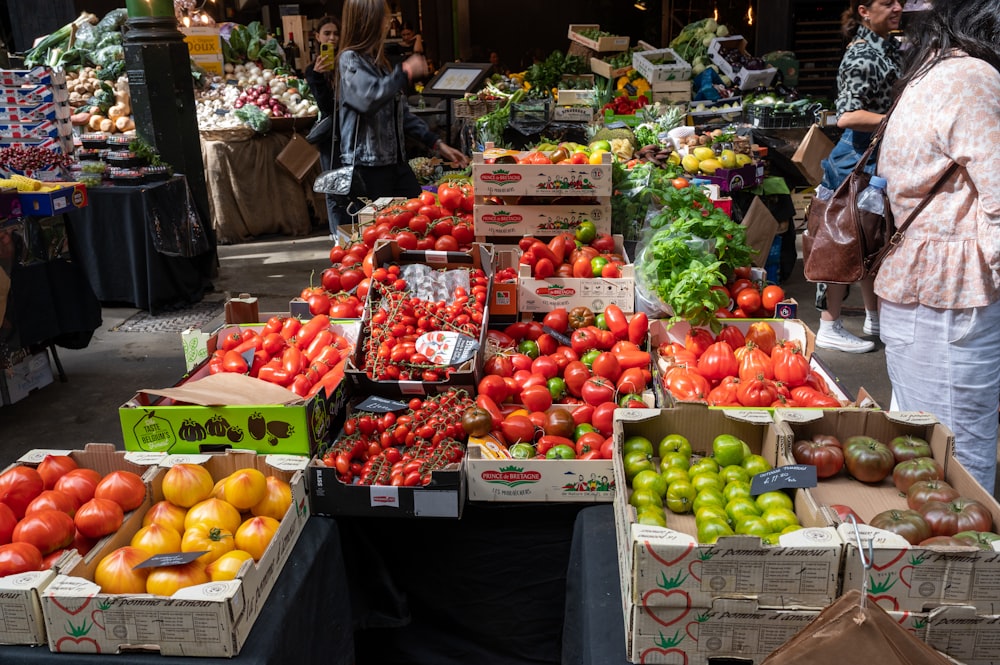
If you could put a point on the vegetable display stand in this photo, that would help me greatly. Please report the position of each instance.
(595, 39)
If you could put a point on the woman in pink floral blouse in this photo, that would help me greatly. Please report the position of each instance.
(940, 287)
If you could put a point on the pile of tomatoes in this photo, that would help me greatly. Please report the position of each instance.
(737, 369)
(592, 362)
(565, 256)
(747, 298)
(57, 506)
(198, 514)
(440, 222)
(304, 357)
(399, 318)
(401, 449)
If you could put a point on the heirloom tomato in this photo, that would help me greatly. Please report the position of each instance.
(98, 517)
(907, 447)
(157, 539)
(213, 512)
(19, 558)
(18, 486)
(168, 580)
(123, 487)
(923, 491)
(49, 500)
(117, 572)
(211, 540)
(909, 524)
(904, 474)
(277, 499)
(53, 467)
(255, 534)
(822, 451)
(167, 514)
(187, 484)
(245, 488)
(961, 514)
(867, 459)
(48, 530)
(227, 566)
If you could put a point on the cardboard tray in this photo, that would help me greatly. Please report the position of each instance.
(36, 113)
(602, 45)
(905, 578)
(541, 179)
(207, 620)
(678, 70)
(745, 78)
(511, 222)
(21, 616)
(667, 567)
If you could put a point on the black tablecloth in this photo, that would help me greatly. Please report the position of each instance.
(306, 618)
(143, 246)
(595, 626)
(488, 588)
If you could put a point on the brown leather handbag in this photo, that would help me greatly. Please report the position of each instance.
(842, 244)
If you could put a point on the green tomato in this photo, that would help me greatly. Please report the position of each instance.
(597, 265)
(528, 347)
(557, 387)
(562, 451)
(732, 473)
(739, 508)
(588, 357)
(706, 479)
(648, 479)
(635, 462)
(780, 519)
(674, 473)
(644, 498)
(709, 496)
(674, 443)
(775, 499)
(710, 531)
(680, 496)
(522, 451)
(727, 449)
(702, 465)
(582, 429)
(674, 459)
(736, 490)
(651, 516)
(640, 443)
(601, 321)
(755, 464)
(586, 232)
(752, 525)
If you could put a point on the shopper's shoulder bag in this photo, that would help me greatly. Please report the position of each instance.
(343, 180)
(842, 244)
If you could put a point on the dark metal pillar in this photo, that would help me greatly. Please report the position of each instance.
(159, 73)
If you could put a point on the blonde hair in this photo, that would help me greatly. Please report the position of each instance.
(363, 28)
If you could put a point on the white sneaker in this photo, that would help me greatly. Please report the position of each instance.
(836, 338)
(871, 326)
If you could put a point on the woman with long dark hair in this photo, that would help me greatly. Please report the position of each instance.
(319, 75)
(868, 70)
(940, 286)
(374, 115)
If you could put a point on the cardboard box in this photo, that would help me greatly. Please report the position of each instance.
(676, 92)
(21, 615)
(371, 211)
(36, 113)
(667, 567)
(731, 630)
(32, 95)
(904, 577)
(964, 634)
(44, 204)
(465, 375)
(514, 480)
(574, 113)
(515, 221)
(207, 620)
(702, 110)
(544, 295)
(673, 67)
(740, 177)
(38, 129)
(541, 179)
(746, 79)
(30, 374)
(602, 44)
(40, 75)
(503, 296)
(573, 97)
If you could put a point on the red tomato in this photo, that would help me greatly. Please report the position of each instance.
(7, 523)
(517, 428)
(823, 452)
(80, 484)
(536, 398)
(606, 365)
(500, 365)
(494, 387)
(48, 530)
(19, 558)
(98, 517)
(19, 485)
(718, 361)
(603, 417)
(597, 390)
(53, 467)
(545, 365)
(904, 474)
(696, 340)
(575, 374)
(748, 299)
(791, 368)
(47, 500)
(123, 487)
(771, 296)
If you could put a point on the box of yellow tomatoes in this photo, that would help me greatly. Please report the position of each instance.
(170, 579)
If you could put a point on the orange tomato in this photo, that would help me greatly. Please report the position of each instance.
(245, 488)
(167, 514)
(748, 299)
(211, 540)
(168, 580)
(771, 296)
(157, 539)
(117, 572)
(256, 534)
(213, 512)
(186, 484)
(227, 566)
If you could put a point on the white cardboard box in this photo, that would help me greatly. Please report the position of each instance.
(537, 220)
(541, 179)
(747, 79)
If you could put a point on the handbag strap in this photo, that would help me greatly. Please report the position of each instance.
(898, 233)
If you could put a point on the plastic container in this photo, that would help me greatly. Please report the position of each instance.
(773, 264)
(872, 198)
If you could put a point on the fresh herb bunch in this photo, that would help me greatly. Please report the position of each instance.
(145, 151)
(545, 75)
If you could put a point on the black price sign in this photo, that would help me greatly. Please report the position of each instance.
(559, 337)
(784, 477)
(376, 404)
(170, 559)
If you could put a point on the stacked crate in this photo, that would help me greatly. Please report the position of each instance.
(668, 74)
(34, 109)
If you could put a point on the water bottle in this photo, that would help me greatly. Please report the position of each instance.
(872, 199)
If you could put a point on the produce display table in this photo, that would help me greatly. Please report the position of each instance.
(594, 625)
(488, 588)
(306, 618)
(250, 195)
(143, 245)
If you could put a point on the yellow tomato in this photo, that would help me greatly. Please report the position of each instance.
(255, 535)
(596, 156)
(214, 512)
(277, 499)
(245, 488)
(167, 514)
(186, 484)
(211, 540)
(219, 491)
(227, 566)
(168, 580)
(117, 572)
(157, 539)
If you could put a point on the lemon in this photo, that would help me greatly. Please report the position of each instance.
(674, 158)
(597, 155)
(742, 160)
(709, 166)
(702, 152)
(727, 158)
(690, 163)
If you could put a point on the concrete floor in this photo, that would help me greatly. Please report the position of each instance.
(115, 364)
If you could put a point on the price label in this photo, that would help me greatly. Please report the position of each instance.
(170, 559)
(376, 404)
(794, 475)
(558, 336)
(447, 348)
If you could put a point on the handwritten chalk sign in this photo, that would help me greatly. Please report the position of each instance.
(376, 404)
(784, 477)
(170, 559)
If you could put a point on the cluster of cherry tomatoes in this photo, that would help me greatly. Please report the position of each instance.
(749, 299)
(737, 368)
(565, 256)
(399, 318)
(401, 449)
(441, 221)
(304, 357)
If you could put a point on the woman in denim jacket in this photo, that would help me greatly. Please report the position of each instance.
(374, 117)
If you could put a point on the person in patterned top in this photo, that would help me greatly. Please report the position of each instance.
(868, 70)
(940, 286)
